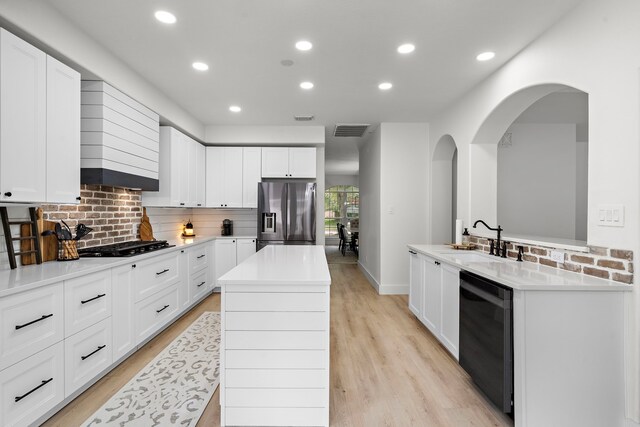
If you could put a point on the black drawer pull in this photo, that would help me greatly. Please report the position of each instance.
(44, 316)
(162, 272)
(201, 284)
(413, 253)
(44, 382)
(201, 256)
(92, 299)
(437, 262)
(162, 309)
(100, 347)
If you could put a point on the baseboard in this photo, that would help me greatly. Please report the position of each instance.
(630, 423)
(374, 283)
(383, 289)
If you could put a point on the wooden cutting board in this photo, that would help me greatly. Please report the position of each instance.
(48, 244)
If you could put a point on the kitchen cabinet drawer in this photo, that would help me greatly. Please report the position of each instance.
(29, 322)
(198, 258)
(276, 417)
(276, 301)
(38, 384)
(87, 300)
(273, 321)
(275, 340)
(276, 378)
(276, 397)
(275, 359)
(87, 353)
(199, 285)
(156, 274)
(155, 311)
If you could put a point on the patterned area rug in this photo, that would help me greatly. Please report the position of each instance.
(334, 256)
(175, 387)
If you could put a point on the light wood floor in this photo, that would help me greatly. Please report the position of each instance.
(386, 368)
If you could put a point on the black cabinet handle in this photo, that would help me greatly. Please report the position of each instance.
(44, 382)
(8, 194)
(233, 241)
(201, 256)
(44, 316)
(437, 262)
(94, 298)
(78, 198)
(181, 204)
(162, 309)
(182, 251)
(201, 284)
(414, 253)
(100, 347)
(199, 204)
(133, 266)
(162, 272)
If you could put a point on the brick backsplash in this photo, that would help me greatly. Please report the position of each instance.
(613, 264)
(113, 213)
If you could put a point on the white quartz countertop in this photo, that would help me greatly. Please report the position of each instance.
(281, 265)
(526, 276)
(33, 276)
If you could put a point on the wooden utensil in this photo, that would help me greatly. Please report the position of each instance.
(146, 231)
(49, 244)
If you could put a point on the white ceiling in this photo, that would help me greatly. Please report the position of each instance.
(355, 42)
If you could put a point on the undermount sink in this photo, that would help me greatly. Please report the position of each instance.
(473, 257)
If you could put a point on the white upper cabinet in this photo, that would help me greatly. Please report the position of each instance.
(283, 162)
(63, 133)
(23, 116)
(251, 176)
(201, 175)
(224, 177)
(180, 176)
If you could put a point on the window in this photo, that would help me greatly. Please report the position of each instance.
(342, 205)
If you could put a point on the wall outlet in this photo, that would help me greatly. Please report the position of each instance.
(557, 256)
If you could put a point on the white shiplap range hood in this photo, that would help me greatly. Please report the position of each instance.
(120, 139)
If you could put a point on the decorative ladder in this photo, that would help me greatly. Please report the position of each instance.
(6, 225)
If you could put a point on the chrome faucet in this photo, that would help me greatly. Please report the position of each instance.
(498, 230)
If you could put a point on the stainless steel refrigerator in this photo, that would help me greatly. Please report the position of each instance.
(286, 213)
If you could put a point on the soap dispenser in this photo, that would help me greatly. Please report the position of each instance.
(466, 237)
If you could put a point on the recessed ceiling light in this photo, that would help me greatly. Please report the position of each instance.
(306, 85)
(235, 109)
(304, 45)
(406, 48)
(165, 17)
(485, 56)
(200, 66)
(385, 86)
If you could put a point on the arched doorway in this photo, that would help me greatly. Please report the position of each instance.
(444, 172)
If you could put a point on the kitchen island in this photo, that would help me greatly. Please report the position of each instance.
(274, 356)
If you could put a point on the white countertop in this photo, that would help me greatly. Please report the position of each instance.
(522, 275)
(281, 265)
(33, 276)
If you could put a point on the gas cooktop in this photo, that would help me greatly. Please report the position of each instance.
(135, 247)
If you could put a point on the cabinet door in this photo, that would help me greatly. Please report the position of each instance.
(251, 176)
(415, 283)
(63, 133)
(244, 249)
(181, 165)
(225, 256)
(432, 296)
(450, 327)
(214, 186)
(233, 177)
(173, 159)
(123, 318)
(192, 171)
(302, 162)
(200, 175)
(23, 114)
(275, 162)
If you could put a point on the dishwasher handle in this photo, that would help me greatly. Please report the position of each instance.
(486, 296)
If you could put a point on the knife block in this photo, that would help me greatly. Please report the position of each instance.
(67, 250)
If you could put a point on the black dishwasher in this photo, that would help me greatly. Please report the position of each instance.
(486, 337)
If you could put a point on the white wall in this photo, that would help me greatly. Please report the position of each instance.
(370, 187)
(537, 180)
(443, 190)
(44, 26)
(333, 180)
(594, 49)
(265, 135)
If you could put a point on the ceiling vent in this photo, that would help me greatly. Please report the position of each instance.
(303, 118)
(350, 130)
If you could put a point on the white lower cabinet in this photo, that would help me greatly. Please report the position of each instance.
(87, 300)
(154, 312)
(434, 294)
(32, 387)
(86, 354)
(231, 252)
(123, 319)
(244, 249)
